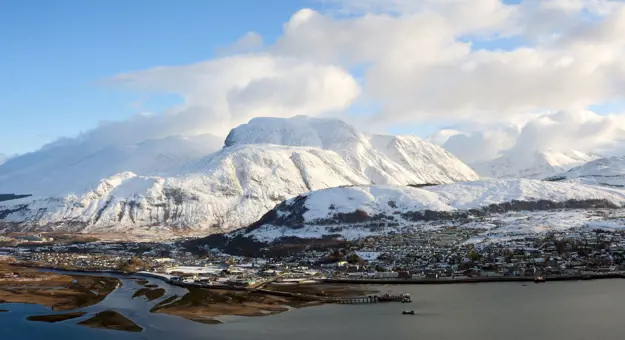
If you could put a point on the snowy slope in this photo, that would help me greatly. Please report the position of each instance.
(231, 189)
(318, 213)
(72, 169)
(263, 163)
(3, 158)
(383, 159)
(537, 166)
(605, 171)
(449, 197)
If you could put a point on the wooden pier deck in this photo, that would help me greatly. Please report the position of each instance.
(341, 300)
(373, 299)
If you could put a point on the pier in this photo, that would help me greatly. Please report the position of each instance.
(373, 299)
(341, 300)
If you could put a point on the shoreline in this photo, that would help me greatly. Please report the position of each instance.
(481, 279)
(204, 305)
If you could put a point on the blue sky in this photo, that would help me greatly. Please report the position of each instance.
(55, 52)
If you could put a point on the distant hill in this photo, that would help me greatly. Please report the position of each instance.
(536, 166)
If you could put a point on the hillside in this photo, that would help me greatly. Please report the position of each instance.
(521, 206)
(75, 169)
(262, 164)
(608, 172)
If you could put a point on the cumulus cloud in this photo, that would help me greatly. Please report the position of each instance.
(234, 89)
(250, 42)
(418, 61)
(422, 65)
(222, 93)
(483, 144)
(560, 131)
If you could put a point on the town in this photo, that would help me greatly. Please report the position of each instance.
(440, 255)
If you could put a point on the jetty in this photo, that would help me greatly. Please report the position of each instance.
(374, 299)
(341, 300)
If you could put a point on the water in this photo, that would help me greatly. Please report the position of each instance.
(552, 310)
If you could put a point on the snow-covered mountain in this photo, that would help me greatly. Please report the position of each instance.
(3, 158)
(383, 159)
(72, 169)
(359, 211)
(608, 172)
(262, 164)
(537, 165)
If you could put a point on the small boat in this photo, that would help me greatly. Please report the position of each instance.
(408, 312)
(539, 279)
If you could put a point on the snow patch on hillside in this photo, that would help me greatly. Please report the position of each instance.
(371, 199)
(469, 195)
(448, 197)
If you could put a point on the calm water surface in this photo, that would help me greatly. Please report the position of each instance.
(553, 310)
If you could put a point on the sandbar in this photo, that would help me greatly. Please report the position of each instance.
(111, 320)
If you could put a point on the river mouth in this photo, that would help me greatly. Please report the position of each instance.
(115, 311)
(149, 303)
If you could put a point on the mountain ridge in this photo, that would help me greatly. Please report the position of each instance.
(608, 172)
(538, 165)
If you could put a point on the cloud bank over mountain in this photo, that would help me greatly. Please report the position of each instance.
(558, 131)
(483, 66)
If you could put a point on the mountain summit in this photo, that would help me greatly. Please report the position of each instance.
(383, 159)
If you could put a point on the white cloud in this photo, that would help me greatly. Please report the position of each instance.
(222, 93)
(418, 61)
(558, 131)
(442, 136)
(482, 144)
(421, 69)
(250, 42)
